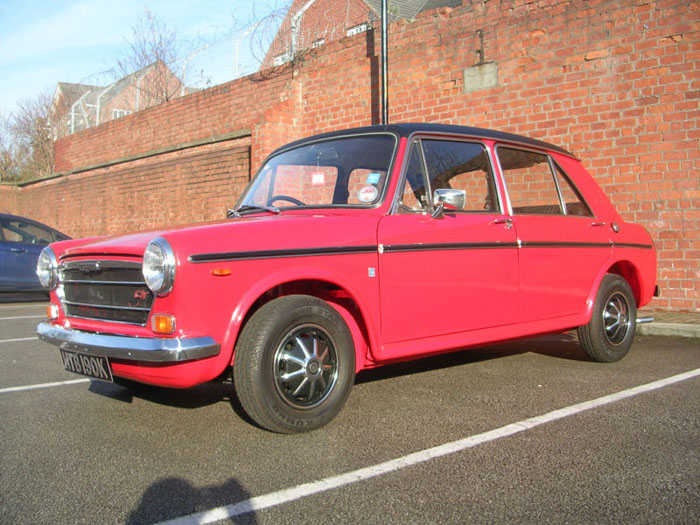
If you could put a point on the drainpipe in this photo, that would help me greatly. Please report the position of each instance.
(295, 27)
(385, 60)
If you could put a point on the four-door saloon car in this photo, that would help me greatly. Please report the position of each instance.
(21, 242)
(350, 250)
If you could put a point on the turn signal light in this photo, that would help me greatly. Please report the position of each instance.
(52, 312)
(163, 324)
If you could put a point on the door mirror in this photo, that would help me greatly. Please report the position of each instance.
(448, 199)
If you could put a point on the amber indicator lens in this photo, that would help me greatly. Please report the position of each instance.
(163, 324)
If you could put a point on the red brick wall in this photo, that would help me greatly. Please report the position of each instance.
(193, 185)
(615, 81)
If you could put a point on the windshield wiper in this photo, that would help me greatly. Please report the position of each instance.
(251, 208)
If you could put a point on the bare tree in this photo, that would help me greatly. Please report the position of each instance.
(26, 148)
(155, 51)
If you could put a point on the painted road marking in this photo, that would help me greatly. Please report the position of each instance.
(17, 340)
(23, 317)
(316, 487)
(42, 385)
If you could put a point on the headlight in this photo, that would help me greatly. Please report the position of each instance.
(47, 268)
(159, 266)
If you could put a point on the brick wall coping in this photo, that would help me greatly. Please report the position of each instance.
(216, 139)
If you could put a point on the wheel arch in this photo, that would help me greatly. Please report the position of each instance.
(341, 297)
(630, 273)
(625, 269)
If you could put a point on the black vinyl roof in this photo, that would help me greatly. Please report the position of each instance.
(408, 129)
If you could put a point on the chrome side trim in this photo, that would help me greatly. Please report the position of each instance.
(644, 320)
(155, 350)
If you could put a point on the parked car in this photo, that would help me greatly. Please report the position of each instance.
(350, 250)
(21, 242)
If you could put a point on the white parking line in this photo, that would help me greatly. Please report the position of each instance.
(15, 306)
(18, 340)
(42, 385)
(309, 489)
(23, 317)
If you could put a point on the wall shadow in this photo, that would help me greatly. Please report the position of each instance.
(171, 498)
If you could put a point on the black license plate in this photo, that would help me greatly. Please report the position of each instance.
(87, 365)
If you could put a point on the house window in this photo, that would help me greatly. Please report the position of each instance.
(119, 113)
(281, 59)
(357, 29)
(318, 43)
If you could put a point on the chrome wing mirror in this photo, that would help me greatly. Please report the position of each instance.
(447, 199)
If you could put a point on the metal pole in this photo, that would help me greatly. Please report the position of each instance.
(385, 60)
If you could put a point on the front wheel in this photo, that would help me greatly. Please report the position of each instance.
(609, 334)
(294, 364)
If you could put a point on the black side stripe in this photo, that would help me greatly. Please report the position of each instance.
(395, 248)
(632, 245)
(279, 254)
(400, 248)
(538, 244)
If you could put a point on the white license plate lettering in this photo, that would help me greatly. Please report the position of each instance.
(87, 365)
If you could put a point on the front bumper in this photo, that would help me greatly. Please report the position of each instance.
(156, 350)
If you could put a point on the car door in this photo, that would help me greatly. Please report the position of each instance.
(454, 272)
(20, 248)
(562, 245)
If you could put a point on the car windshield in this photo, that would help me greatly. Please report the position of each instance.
(350, 171)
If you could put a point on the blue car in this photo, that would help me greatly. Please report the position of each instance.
(21, 242)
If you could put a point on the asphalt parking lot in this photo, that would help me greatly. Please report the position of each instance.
(492, 435)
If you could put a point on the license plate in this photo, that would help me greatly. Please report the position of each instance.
(87, 365)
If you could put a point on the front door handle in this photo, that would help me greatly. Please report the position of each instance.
(507, 222)
(18, 250)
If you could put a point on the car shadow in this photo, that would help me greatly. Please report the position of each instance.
(199, 396)
(172, 498)
(560, 346)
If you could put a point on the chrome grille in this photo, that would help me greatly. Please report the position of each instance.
(105, 290)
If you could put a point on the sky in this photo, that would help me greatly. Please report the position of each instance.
(43, 42)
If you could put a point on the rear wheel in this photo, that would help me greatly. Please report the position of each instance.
(609, 334)
(294, 364)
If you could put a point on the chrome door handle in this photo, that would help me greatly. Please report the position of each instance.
(18, 250)
(507, 222)
(598, 223)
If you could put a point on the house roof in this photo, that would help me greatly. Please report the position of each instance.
(409, 8)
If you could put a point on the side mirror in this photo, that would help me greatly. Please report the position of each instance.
(447, 199)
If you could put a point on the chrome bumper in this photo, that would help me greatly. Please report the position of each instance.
(156, 350)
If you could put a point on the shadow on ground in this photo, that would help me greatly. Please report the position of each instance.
(171, 498)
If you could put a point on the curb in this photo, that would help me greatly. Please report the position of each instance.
(669, 329)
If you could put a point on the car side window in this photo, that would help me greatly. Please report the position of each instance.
(24, 232)
(530, 182)
(572, 199)
(413, 195)
(450, 164)
(462, 166)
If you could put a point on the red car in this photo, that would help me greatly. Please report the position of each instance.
(350, 250)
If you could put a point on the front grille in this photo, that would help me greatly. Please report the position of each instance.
(106, 291)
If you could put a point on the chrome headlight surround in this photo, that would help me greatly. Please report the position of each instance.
(159, 266)
(47, 269)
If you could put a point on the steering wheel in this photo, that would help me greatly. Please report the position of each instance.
(284, 198)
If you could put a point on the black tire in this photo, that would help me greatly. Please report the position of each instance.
(609, 334)
(294, 364)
